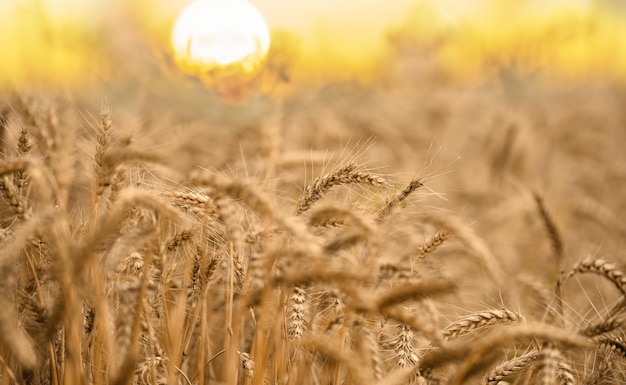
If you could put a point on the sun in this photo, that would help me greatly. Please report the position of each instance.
(220, 38)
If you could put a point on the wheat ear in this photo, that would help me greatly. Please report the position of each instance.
(103, 172)
(297, 318)
(347, 174)
(566, 373)
(404, 347)
(548, 364)
(196, 202)
(614, 345)
(399, 197)
(472, 351)
(247, 364)
(602, 327)
(24, 145)
(432, 243)
(601, 267)
(477, 247)
(480, 320)
(510, 367)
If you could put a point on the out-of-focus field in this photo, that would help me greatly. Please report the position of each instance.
(336, 226)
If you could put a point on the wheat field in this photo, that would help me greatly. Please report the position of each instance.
(415, 232)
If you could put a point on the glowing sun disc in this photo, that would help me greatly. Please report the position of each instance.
(210, 34)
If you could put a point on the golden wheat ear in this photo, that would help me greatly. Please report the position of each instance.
(103, 142)
(348, 174)
(510, 368)
(399, 197)
(480, 320)
(598, 266)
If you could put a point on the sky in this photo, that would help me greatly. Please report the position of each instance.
(66, 40)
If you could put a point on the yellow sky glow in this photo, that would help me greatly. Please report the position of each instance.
(66, 41)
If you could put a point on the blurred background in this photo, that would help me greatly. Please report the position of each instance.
(68, 43)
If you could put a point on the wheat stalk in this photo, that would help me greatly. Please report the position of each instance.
(414, 291)
(331, 352)
(553, 232)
